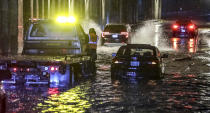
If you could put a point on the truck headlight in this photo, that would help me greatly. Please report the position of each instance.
(153, 63)
(118, 62)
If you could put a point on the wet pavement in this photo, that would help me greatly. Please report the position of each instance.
(184, 89)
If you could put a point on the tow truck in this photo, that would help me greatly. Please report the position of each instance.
(54, 51)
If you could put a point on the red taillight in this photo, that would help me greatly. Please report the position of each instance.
(27, 69)
(52, 68)
(125, 33)
(104, 33)
(175, 26)
(191, 27)
(14, 69)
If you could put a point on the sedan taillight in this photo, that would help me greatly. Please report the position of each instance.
(125, 33)
(191, 27)
(104, 33)
(175, 26)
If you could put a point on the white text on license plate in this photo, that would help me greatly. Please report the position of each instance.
(134, 63)
(114, 36)
(182, 30)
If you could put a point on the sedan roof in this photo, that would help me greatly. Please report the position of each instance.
(141, 46)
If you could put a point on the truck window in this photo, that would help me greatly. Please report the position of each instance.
(53, 31)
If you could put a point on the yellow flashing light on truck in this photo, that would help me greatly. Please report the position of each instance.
(63, 19)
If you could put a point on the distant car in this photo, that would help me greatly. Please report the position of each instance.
(114, 33)
(139, 61)
(184, 28)
(3, 100)
(47, 37)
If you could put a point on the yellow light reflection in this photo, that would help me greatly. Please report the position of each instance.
(74, 100)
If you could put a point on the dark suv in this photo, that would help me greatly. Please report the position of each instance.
(46, 37)
(114, 33)
(184, 28)
(138, 61)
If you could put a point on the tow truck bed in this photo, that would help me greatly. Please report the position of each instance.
(69, 59)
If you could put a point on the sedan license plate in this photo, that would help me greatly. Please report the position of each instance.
(134, 63)
(183, 30)
(114, 36)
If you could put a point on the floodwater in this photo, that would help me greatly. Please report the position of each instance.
(184, 89)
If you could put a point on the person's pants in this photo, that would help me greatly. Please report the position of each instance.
(93, 54)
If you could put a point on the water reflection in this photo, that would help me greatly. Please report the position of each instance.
(74, 100)
(184, 44)
(184, 92)
(53, 91)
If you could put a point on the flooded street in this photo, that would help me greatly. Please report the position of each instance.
(184, 89)
(105, 56)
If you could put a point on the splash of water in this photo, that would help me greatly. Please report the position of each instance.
(87, 24)
(151, 33)
(144, 34)
(204, 36)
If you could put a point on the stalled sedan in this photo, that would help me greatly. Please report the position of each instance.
(138, 61)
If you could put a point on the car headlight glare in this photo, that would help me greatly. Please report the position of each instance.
(118, 62)
(153, 63)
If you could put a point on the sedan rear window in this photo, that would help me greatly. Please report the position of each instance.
(143, 52)
(115, 28)
(53, 31)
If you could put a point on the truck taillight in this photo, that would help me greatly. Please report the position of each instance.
(27, 69)
(175, 26)
(15, 69)
(104, 33)
(124, 33)
(52, 68)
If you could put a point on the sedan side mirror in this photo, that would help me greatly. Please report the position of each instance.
(164, 56)
(114, 55)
